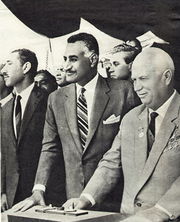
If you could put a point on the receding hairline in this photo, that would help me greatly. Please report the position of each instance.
(154, 58)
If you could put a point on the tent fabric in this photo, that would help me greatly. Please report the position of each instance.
(121, 19)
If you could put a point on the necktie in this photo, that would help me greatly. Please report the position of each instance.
(18, 115)
(82, 115)
(152, 122)
(151, 130)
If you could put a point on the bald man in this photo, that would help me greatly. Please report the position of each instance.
(147, 147)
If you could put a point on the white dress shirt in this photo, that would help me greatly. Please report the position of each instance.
(89, 94)
(161, 113)
(24, 99)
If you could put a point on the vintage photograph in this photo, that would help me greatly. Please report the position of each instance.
(90, 110)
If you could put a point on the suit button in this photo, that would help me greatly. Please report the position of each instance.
(138, 204)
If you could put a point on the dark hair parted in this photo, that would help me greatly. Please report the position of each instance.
(88, 39)
(27, 55)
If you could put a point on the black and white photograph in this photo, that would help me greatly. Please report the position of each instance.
(90, 110)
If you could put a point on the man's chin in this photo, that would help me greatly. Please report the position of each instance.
(71, 79)
(8, 84)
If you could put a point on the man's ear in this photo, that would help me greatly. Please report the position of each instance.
(168, 75)
(93, 59)
(26, 67)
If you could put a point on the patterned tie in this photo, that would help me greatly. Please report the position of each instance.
(151, 130)
(82, 115)
(18, 115)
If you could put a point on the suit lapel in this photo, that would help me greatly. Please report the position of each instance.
(9, 109)
(162, 138)
(34, 99)
(101, 99)
(71, 114)
(141, 140)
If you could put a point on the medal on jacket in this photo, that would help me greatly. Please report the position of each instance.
(141, 132)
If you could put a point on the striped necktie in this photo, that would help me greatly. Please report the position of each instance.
(18, 115)
(82, 115)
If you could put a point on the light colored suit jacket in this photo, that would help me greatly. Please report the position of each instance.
(147, 182)
(112, 97)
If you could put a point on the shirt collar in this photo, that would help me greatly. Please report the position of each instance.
(90, 86)
(26, 92)
(163, 109)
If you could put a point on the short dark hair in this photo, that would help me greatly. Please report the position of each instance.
(132, 51)
(27, 55)
(48, 74)
(89, 40)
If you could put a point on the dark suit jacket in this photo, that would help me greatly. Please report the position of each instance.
(20, 158)
(147, 182)
(61, 132)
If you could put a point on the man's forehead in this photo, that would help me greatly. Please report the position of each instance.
(138, 70)
(118, 56)
(76, 48)
(13, 56)
(40, 76)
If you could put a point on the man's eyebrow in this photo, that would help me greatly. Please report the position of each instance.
(71, 56)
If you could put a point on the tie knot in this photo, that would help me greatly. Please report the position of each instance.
(18, 98)
(83, 90)
(154, 115)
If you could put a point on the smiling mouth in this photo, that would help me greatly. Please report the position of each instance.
(142, 95)
(70, 73)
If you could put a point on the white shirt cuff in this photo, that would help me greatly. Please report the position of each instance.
(171, 216)
(89, 197)
(39, 187)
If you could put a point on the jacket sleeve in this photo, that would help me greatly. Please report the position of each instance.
(171, 199)
(3, 157)
(51, 148)
(107, 174)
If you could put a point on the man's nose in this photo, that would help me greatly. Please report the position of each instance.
(3, 70)
(67, 65)
(137, 86)
(109, 67)
(37, 83)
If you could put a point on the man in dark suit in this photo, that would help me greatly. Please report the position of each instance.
(147, 147)
(22, 127)
(81, 122)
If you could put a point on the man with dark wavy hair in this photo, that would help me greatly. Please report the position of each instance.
(81, 122)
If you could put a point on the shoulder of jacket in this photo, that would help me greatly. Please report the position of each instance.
(133, 113)
(121, 84)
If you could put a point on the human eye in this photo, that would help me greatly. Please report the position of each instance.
(65, 58)
(9, 63)
(43, 82)
(73, 59)
(143, 78)
(115, 63)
